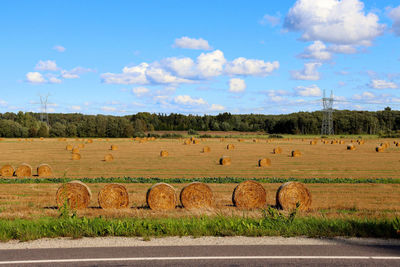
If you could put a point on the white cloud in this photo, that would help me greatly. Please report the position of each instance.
(236, 85)
(35, 77)
(216, 107)
(312, 90)
(364, 95)
(192, 43)
(211, 64)
(272, 20)
(59, 48)
(309, 72)
(54, 80)
(333, 21)
(183, 67)
(394, 15)
(342, 49)
(188, 100)
(316, 50)
(75, 72)
(3, 103)
(48, 65)
(76, 108)
(277, 95)
(140, 91)
(160, 76)
(256, 67)
(382, 84)
(108, 109)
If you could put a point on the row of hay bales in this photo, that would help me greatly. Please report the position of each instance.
(25, 170)
(161, 196)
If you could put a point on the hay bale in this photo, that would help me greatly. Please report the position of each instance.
(397, 144)
(206, 149)
(240, 140)
(7, 170)
(385, 145)
(264, 162)
(313, 142)
(75, 150)
(291, 193)
(89, 141)
(296, 153)
(225, 161)
(113, 196)
(108, 158)
(196, 141)
(249, 195)
(81, 146)
(76, 156)
(161, 196)
(44, 170)
(197, 195)
(187, 142)
(277, 150)
(75, 193)
(114, 147)
(69, 147)
(379, 149)
(351, 147)
(230, 147)
(41, 138)
(23, 170)
(255, 140)
(164, 153)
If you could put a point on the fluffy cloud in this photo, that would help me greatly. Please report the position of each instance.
(277, 95)
(183, 67)
(364, 95)
(216, 107)
(48, 65)
(394, 14)
(333, 21)
(316, 50)
(342, 49)
(35, 77)
(59, 48)
(188, 100)
(312, 90)
(192, 43)
(74, 73)
(243, 66)
(54, 80)
(211, 64)
(140, 91)
(236, 85)
(382, 84)
(309, 72)
(272, 20)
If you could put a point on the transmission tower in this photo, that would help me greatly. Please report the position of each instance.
(327, 121)
(44, 117)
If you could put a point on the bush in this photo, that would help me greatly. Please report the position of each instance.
(139, 134)
(205, 136)
(156, 135)
(171, 135)
(192, 132)
(275, 136)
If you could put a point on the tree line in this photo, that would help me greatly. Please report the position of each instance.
(28, 124)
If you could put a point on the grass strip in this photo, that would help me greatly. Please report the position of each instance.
(74, 227)
(211, 180)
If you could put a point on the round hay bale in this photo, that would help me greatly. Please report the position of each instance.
(291, 193)
(41, 138)
(108, 158)
(249, 195)
(240, 140)
(187, 142)
(196, 141)
(264, 162)
(164, 153)
(161, 196)
(81, 146)
(75, 150)
(296, 153)
(255, 140)
(206, 149)
(75, 193)
(230, 147)
(197, 195)
(7, 170)
(351, 147)
(113, 196)
(379, 149)
(114, 147)
(89, 141)
(76, 156)
(277, 150)
(225, 161)
(397, 144)
(44, 170)
(23, 170)
(313, 142)
(69, 147)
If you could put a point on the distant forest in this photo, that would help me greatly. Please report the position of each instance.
(29, 124)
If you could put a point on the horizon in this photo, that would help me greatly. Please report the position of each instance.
(102, 58)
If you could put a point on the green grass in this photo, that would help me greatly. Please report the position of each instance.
(269, 225)
(214, 180)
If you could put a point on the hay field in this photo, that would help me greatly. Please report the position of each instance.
(135, 159)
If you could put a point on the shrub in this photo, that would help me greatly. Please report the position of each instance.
(275, 136)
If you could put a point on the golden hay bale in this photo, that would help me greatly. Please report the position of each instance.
(313, 142)
(44, 170)
(75, 150)
(351, 147)
(230, 147)
(108, 158)
(291, 193)
(264, 162)
(161, 196)
(136, 139)
(164, 153)
(187, 142)
(277, 150)
(113, 196)
(225, 161)
(76, 156)
(385, 145)
(41, 138)
(206, 149)
(75, 193)
(249, 194)
(341, 142)
(69, 147)
(195, 141)
(77, 139)
(7, 170)
(255, 140)
(81, 146)
(397, 144)
(23, 170)
(89, 141)
(296, 153)
(197, 195)
(240, 140)
(114, 147)
(379, 149)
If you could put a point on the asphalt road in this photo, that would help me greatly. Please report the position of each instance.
(249, 255)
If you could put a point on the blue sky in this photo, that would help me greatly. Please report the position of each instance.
(199, 57)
